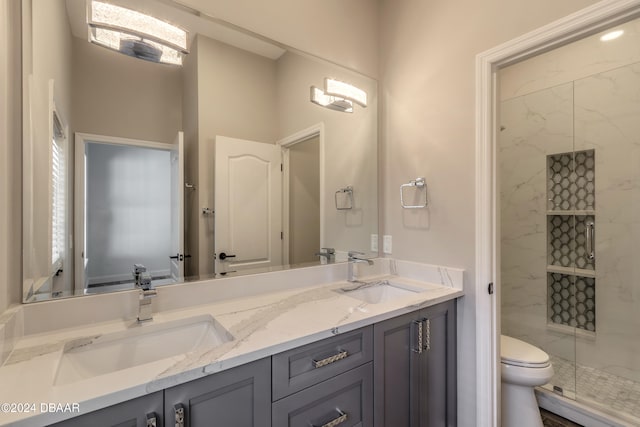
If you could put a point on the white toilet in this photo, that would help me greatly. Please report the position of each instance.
(523, 367)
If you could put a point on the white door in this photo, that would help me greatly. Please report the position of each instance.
(177, 208)
(248, 205)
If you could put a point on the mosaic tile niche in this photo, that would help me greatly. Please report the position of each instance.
(571, 287)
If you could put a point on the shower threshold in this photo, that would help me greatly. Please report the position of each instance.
(603, 399)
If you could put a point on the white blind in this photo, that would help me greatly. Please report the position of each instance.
(58, 199)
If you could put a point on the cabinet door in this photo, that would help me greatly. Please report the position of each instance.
(396, 371)
(138, 412)
(238, 397)
(438, 395)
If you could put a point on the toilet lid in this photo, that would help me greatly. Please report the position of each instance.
(519, 353)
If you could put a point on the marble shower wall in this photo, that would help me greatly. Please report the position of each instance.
(533, 127)
(600, 113)
(607, 120)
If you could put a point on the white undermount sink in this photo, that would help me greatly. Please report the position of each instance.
(380, 291)
(138, 345)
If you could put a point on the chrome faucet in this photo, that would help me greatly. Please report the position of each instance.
(355, 258)
(147, 292)
(328, 253)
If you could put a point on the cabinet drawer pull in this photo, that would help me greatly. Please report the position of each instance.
(417, 324)
(428, 346)
(329, 360)
(342, 417)
(179, 414)
(152, 420)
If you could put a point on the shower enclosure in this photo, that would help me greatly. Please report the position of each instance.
(569, 178)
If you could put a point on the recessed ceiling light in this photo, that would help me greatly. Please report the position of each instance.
(611, 35)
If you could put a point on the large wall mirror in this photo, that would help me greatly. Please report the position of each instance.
(201, 160)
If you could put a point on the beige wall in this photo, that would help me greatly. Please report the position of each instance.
(10, 155)
(116, 95)
(50, 61)
(350, 146)
(236, 93)
(304, 201)
(427, 54)
(190, 128)
(345, 32)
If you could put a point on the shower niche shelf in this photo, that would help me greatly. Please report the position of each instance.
(571, 270)
(571, 212)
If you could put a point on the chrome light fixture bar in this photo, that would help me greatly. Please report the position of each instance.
(136, 34)
(345, 90)
(332, 102)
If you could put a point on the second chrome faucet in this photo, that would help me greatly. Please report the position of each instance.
(355, 258)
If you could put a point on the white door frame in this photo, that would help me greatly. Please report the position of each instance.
(575, 26)
(79, 192)
(285, 144)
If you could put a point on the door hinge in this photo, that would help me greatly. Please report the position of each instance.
(281, 168)
(282, 235)
(490, 288)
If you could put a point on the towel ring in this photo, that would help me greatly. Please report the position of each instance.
(349, 193)
(420, 184)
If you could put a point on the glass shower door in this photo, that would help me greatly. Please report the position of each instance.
(538, 225)
(607, 129)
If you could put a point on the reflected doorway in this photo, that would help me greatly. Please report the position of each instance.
(130, 194)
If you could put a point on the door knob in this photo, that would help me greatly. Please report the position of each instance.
(224, 256)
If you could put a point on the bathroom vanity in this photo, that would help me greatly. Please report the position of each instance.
(404, 367)
(335, 353)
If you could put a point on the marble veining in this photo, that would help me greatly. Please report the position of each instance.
(261, 325)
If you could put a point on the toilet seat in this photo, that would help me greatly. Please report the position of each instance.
(515, 352)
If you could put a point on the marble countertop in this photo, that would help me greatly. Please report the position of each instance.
(260, 326)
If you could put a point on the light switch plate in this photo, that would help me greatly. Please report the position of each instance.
(374, 243)
(386, 244)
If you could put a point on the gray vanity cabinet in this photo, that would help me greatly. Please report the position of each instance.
(238, 397)
(415, 369)
(140, 412)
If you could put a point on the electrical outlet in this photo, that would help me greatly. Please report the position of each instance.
(374, 243)
(386, 244)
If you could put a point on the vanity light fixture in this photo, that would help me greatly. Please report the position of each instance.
(332, 102)
(136, 34)
(611, 35)
(345, 90)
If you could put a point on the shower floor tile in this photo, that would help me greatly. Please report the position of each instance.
(606, 392)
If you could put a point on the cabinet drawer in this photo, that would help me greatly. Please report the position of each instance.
(305, 366)
(344, 401)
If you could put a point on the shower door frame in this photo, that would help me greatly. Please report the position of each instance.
(573, 27)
